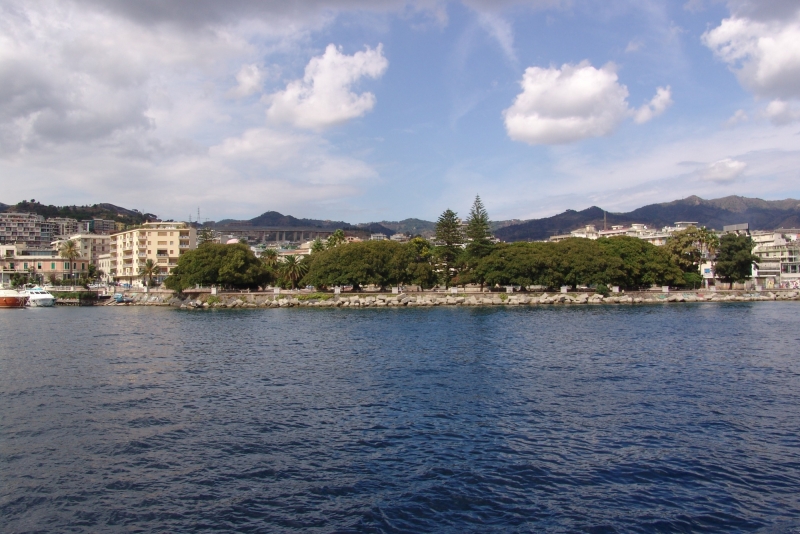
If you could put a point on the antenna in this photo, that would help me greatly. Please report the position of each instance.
(605, 226)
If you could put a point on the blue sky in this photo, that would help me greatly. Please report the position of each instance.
(382, 110)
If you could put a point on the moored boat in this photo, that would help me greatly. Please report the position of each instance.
(38, 297)
(11, 298)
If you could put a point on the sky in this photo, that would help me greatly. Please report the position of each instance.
(369, 110)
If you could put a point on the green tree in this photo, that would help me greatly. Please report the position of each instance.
(317, 246)
(270, 257)
(204, 235)
(149, 271)
(735, 258)
(479, 242)
(643, 264)
(69, 251)
(336, 238)
(227, 265)
(688, 247)
(293, 269)
(449, 239)
(381, 263)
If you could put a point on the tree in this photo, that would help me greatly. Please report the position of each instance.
(449, 239)
(336, 238)
(270, 257)
(689, 246)
(228, 265)
(69, 251)
(317, 246)
(293, 269)
(205, 235)
(479, 243)
(149, 271)
(735, 258)
(643, 264)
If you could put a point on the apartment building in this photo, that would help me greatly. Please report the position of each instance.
(62, 227)
(779, 258)
(162, 242)
(89, 245)
(99, 226)
(23, 228)
(46, 263)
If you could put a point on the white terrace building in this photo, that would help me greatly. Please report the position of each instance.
(779, 258)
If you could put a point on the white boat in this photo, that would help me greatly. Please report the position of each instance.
(39, 297)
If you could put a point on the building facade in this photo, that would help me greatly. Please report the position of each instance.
(161, 242)
(779, 258)
(23, 228)
(90, 245)
(43, 264)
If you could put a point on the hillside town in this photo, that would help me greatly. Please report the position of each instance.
(112, 253)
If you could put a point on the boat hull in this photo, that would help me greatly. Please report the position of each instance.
(12, 302)
(42, 303)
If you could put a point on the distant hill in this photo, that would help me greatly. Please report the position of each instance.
(279, 220)
(94, 211)
(716, 213)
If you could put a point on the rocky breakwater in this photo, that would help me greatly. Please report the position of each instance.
(484, 299)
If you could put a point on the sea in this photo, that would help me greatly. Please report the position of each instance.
(597, 419)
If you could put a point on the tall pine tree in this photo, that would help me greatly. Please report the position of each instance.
(479, 240)
(449, 239)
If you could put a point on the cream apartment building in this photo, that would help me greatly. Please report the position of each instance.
(162, 242)
(91, 246)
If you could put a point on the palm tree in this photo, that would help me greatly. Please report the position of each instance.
(293, 269)
(148, 271)
(270, 257)
(69, 251)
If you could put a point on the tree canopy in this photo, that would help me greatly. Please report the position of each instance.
(227, 265)
(735, 258)
(449, 239)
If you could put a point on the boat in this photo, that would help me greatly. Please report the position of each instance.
(11, 298)
(39, 297)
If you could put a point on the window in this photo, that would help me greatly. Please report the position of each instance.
(39, 266)
(66, 265)
(53, 266)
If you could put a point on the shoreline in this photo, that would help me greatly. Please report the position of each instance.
(263, 300)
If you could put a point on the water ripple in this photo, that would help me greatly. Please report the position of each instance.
(601, 419)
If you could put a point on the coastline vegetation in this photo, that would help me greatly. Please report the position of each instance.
(463, 254)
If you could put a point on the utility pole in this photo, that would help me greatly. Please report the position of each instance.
(605, 226)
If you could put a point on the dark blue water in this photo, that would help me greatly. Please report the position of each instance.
(564, 419)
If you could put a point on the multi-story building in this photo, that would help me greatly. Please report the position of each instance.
(63, 226)
(23, 228)
(43, 263)
(104, 267)
(779, 258)
(89, 245)
(162, 242)
(98, 226)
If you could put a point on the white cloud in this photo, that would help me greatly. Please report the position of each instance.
(574, 102)
(323, 97)
(723, 171)
(781, 112)
(739, 117)
(764, 55)
(501, 31)
(655, 107)
(634, 46)
(249, 80)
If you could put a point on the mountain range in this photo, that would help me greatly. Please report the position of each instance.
(715, 213)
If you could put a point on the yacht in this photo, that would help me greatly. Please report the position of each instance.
(39, 297)
(11, 298)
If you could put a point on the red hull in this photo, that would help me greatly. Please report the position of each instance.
(12, 302)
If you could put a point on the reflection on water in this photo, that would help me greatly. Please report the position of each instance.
(673, 418)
